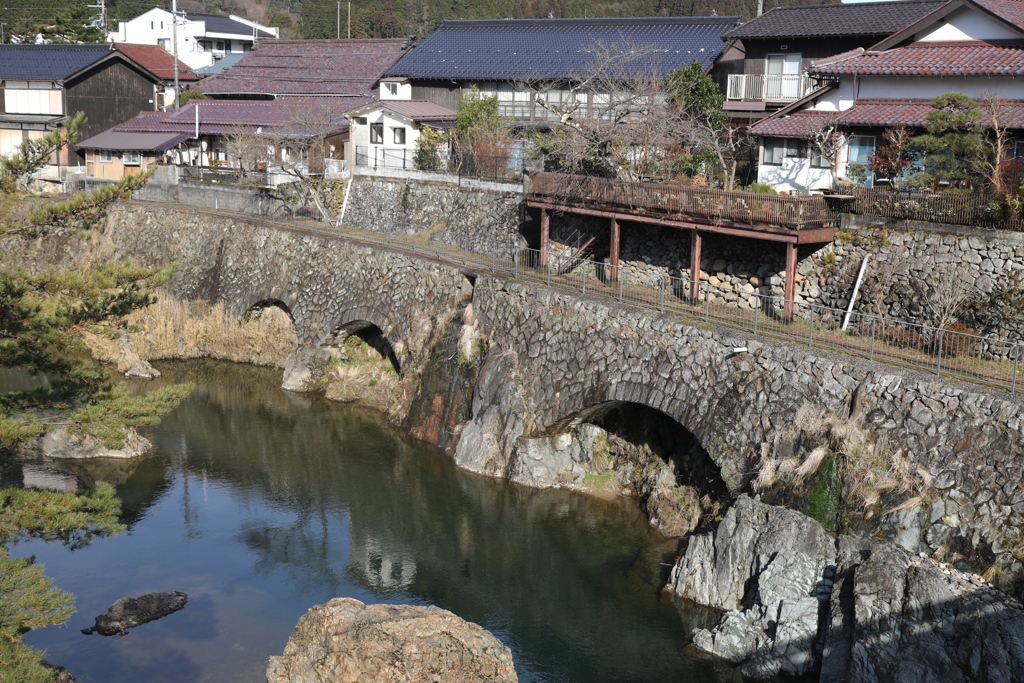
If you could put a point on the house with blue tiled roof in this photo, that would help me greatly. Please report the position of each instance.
(42, 84)
(522, 60)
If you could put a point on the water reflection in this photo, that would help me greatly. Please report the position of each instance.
(260, 503)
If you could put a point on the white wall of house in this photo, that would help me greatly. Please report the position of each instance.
(392, 90)
(385, 139)
(794, 173)
(967, 24)
(196, 46)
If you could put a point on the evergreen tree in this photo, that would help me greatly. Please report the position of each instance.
(42, 315)
(953, 144)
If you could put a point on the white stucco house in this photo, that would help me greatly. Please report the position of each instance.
(975, 47)
(385, 133)
(203, 39)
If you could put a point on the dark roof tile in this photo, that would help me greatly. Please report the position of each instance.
(220, 23)
(157, 60)
(508, 49)
(48, 62)
(854, 19)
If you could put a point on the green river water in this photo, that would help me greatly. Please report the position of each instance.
(260, 504)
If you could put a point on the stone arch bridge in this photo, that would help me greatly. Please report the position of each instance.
(555, 358)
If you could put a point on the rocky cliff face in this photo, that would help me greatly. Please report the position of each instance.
(346, 640)
(798, 601)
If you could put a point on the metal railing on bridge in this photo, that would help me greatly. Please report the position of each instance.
(675, 201)
(985, 360)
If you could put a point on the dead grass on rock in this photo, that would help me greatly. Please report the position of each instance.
(176, 329)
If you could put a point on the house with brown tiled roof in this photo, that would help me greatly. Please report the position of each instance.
(975, 47)
(768, 58)
(217, 133)
(307, 68)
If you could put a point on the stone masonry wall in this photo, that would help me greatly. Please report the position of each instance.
(554, 357)
(482, 222)
(322, 285)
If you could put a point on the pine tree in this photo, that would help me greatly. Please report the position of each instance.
(41, 317)
(953, 144)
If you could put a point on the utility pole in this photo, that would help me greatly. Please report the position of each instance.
(174, 42)
(339, 19)
(102, 21)
(760, 7)
(350, 21)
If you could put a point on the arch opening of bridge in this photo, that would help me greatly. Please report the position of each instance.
(256, 309)
(651, 441)
(372, 335)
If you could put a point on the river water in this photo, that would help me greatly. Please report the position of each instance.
(259, 504)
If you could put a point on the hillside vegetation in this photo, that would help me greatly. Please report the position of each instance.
(68, 20)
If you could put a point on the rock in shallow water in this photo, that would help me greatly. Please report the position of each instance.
(346, 641)
(891, 616)
(128, 613)
(770, 568)
(59, 443)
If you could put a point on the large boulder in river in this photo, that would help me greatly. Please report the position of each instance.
(346, 641)
(770, 569)
(127, 613)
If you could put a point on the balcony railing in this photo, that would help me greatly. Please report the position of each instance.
(673, 201)
(768, 88)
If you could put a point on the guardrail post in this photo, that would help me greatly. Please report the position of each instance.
(619, 281)
(871, 355)
(584, 277)
(707, 306)
(662, 295)
(515, 262)
(810, 338)
(1016, 356)
(757, 313)
(938, 364)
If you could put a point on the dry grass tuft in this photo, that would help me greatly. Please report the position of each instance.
(868, 468)
(173, 329)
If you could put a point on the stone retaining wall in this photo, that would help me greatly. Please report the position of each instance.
(476, 220)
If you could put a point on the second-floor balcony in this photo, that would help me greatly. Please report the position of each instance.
(768, 87)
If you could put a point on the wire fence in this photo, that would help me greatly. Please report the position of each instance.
(950, 207)
(985, 360)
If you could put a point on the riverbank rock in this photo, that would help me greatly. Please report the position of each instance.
(898, 617)
(141, 369)
(858, 610)
(61, 444)
(127, 613)
(347, 641)
(770, 569)
(60, 674)
(306, 369)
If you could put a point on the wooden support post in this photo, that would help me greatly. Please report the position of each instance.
(695, 244)
(613, 272)
(545, 236)
(790, 280)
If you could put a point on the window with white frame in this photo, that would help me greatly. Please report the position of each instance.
(132, 158)
(399, 135)
(392, 89)
(819, 160)
(774, 151)
(106, 156)
(377, 133)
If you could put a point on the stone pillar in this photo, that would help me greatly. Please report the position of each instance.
(545, 236)
(790, 280)
(613, 272)
(695, 244)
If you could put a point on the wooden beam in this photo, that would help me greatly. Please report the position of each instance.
(545, 236)
(790, 281)
(613, 259)
(695, 244)
(753, 232)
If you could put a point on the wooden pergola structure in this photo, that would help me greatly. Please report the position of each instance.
(789, 220)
